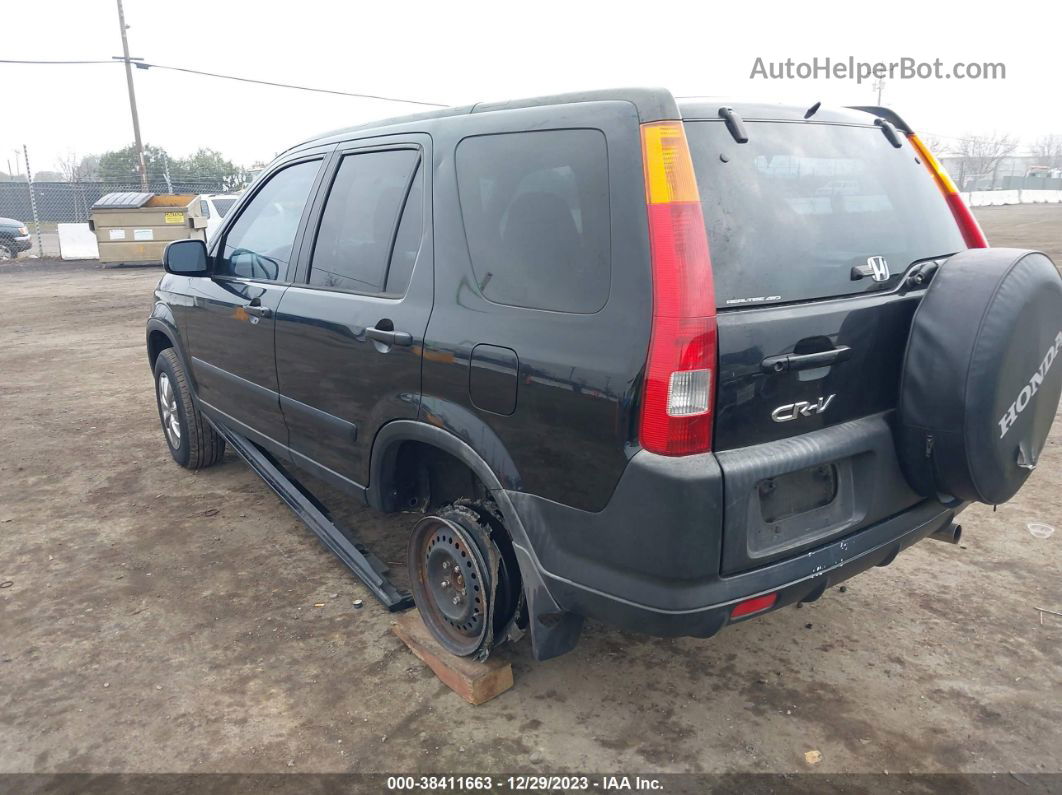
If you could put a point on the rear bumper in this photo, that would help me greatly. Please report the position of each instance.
(801, 579)
(676, 547)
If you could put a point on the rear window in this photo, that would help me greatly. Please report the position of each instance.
(790, 213)
(536, 214)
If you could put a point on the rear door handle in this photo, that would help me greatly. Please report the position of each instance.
(258, 311)
(403, 338)
(805, 361)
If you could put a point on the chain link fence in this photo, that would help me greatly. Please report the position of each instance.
(71, 202)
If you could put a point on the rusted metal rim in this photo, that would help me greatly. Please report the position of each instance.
(451, 584)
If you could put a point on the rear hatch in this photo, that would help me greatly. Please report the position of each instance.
(813, 227)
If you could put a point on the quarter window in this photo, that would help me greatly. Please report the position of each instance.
(536, 213)
(258, 246)
(359, 236)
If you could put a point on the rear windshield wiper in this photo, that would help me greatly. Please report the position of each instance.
(734, 124)
(890, 132)
(921, 272)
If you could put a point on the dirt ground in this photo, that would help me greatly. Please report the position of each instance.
(159, 620)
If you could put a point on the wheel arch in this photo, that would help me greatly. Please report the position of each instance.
(390, 439)
(157, 342)
(554, 631)
(162, 334)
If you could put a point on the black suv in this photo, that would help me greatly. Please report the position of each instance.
(668, 364)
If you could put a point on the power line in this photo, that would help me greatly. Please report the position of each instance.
(7, 60)
(187, 70)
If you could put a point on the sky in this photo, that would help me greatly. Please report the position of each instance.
(461, 52)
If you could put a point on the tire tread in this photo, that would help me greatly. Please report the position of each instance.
(206, 447)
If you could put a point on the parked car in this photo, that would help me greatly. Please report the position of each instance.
(215, 206)
(667, 364)
(14, 237)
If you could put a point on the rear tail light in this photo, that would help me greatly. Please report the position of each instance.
(755, 605)
(971, 230)
(676, 414)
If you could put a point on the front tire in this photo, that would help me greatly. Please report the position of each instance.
(193, 442)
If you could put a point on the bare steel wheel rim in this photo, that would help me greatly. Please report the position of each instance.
(450, 584)
(171, 421)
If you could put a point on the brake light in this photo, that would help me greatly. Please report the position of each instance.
(676, 414)
(971, 230)
(754, 605)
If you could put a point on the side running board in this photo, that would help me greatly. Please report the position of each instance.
(369, 569)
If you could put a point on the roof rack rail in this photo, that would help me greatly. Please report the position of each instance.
(652, 104)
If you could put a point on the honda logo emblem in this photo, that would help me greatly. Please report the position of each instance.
(879, 268)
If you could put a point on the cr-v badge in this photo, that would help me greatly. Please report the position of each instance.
(791, 411)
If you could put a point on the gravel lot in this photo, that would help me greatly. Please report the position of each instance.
(159, 620)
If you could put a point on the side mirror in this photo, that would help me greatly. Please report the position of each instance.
(186, 258)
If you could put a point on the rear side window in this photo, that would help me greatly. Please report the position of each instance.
(790, 213)
(536, 215)
(358, 226)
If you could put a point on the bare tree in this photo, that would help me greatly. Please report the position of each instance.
(980, 155)
(1048, 151)
(79, 169)
(937, 146)
(68, 165)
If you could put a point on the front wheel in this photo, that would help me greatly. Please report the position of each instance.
(7, 252)
(193, 443)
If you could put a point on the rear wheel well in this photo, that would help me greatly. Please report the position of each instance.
(157, 343)
(424, 477)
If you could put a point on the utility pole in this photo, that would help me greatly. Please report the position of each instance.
(166, 173)
(141, 167)
(879, 84)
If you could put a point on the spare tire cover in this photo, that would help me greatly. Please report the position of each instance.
(982, 375)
